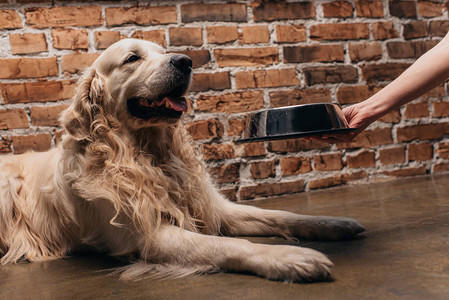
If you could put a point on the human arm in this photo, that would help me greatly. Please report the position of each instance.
(430, 70)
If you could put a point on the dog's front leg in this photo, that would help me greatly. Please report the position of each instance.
(252, 221)
(172, 245)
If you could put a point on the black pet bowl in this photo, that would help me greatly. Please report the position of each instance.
(295, 122)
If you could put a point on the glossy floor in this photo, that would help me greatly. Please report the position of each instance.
(404, 254)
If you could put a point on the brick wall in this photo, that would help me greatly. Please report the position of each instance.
(247, 55)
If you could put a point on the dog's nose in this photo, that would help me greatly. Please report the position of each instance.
(182, 62)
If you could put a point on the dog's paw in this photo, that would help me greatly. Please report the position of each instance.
(291, 264)
(332, 228)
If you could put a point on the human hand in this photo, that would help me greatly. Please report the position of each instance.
(357, 117)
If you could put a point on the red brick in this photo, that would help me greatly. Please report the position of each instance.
(221, 34)
(422, 132)
(271, 11)
(347, 74)
(226, 173)
(9, 19)
(430, 9)
(414, 30)
(295, 145)
(370, 138)
(291, 33)
(313, 53)
(299, 96)
(13, 118)
(28, 68)
(145, 15)
(335, 180)
(355, 94)
(363, 159)
(443, 150)
(392, 117)
(295, 165)
(438, 28)
(416, 110)
(217, 151)
(5, 146)
(403, 9)
(383, 72)
(369, 9)
(230, 12)
(235, 127)
(254, 34)
(156, 36)
(78, 62)
(199, 57)
(436, 92)
(64, 16)
(246, 56)
(420, 152)
(271, 189)
(263, 169)
(266, 78)
(440, 109)
(339, 31)
(326, 182)
(28, 43)
(40, 91)
(104, 39)
(210, 81)
(47, 116)
(186, 36)
(231, 103)
(389, 156)
(409, 49)
(384, 31)
(440, 167)
(40, 142)
(365, 51)
(205, 129)
(33, 1)
(252, 149)
(409, 171)
(327, 162)
(72, 39)
(337, 9)
(229, 193)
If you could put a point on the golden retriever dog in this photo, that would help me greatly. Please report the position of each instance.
(127, 180)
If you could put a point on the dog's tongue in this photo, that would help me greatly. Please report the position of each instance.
(178, 104)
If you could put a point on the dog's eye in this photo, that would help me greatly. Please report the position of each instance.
(132, 58)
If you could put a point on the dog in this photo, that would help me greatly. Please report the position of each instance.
(127, 180)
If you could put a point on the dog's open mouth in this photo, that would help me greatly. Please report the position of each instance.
(167, 108)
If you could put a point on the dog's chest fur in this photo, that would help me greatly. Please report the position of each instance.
(159, 179)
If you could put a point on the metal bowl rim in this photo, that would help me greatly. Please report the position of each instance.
(290, 107)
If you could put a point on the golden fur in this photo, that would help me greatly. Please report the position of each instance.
(126, 185)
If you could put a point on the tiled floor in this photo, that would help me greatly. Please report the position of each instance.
(404, 254)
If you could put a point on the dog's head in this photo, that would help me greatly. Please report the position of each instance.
(136, 83)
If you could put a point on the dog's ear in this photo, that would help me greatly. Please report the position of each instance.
(86, 105)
